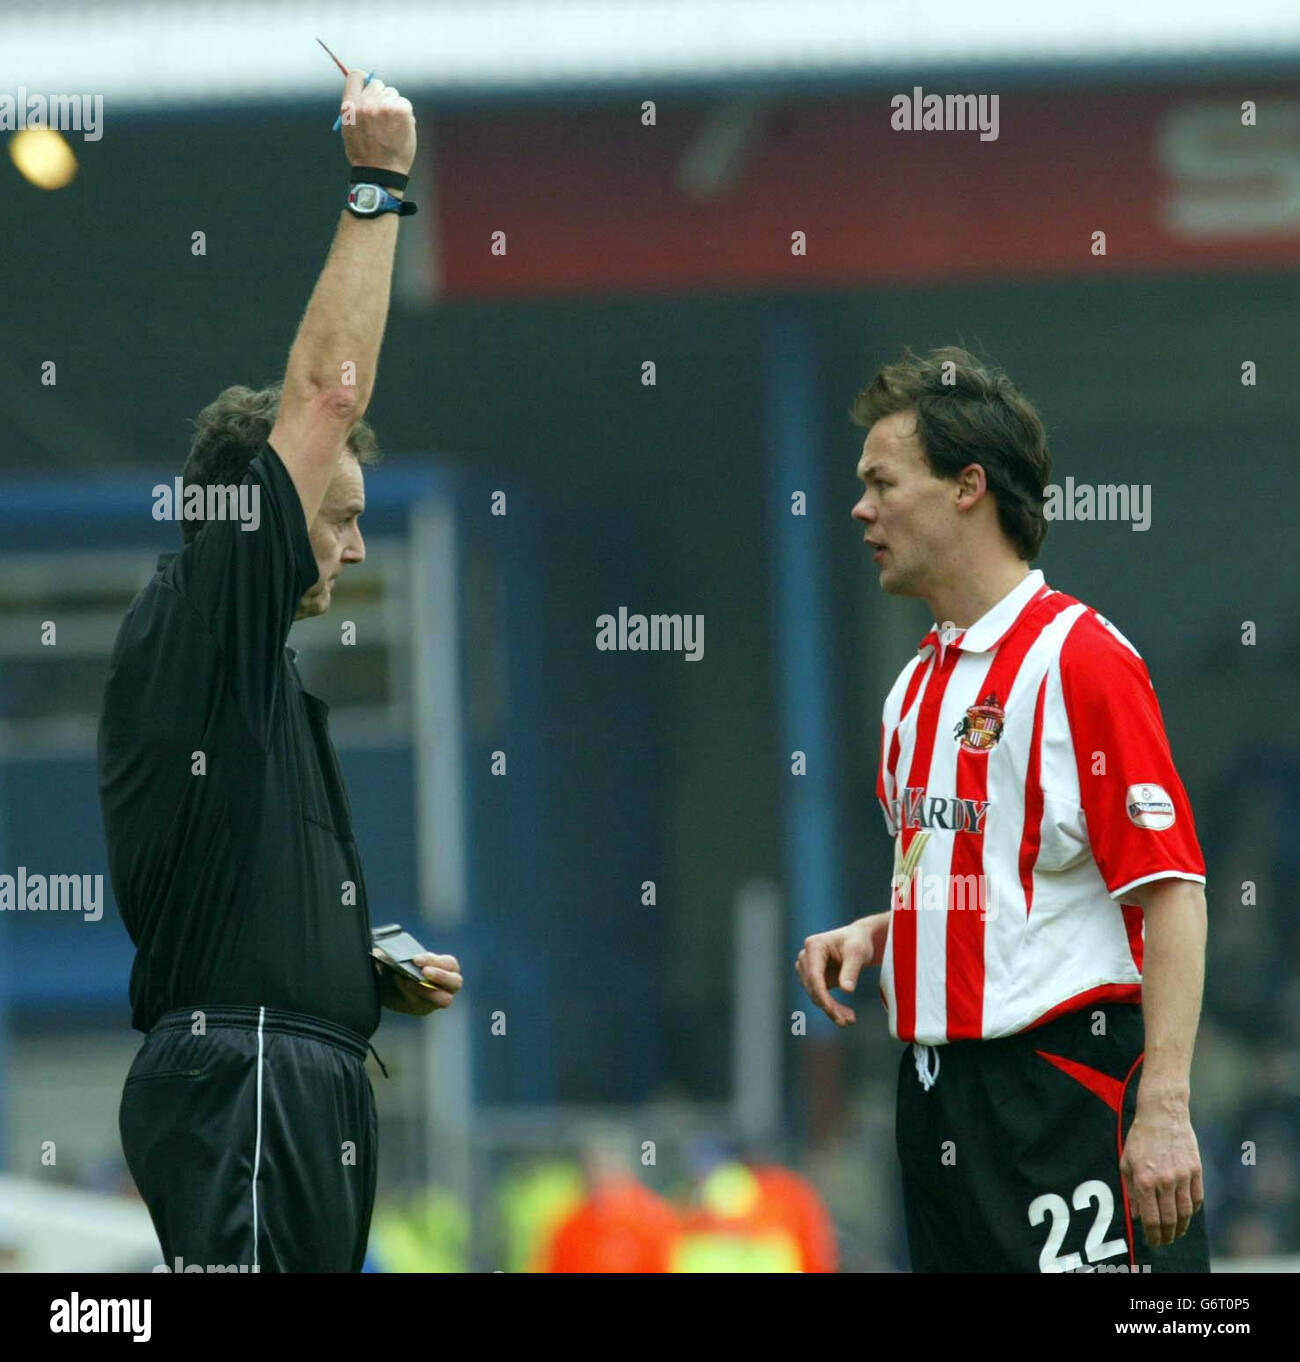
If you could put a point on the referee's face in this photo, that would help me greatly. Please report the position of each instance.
(335, 535)
(906, 512)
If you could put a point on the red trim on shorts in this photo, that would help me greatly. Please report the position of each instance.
(1110, 1090)
(1105, 993)
(1119, 1154)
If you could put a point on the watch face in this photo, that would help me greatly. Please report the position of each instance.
(365, 198)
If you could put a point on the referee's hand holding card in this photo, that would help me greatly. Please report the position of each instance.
(401, 993)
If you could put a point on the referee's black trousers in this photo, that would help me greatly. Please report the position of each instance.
(251, 1134)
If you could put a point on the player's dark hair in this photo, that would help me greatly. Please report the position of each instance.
(970, 412)
(230, 432)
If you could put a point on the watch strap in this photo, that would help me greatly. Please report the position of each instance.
(389, 179)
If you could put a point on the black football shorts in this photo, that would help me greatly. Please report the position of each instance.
(1010, 1151)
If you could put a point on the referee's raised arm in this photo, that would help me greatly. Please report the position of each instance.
(332, 364)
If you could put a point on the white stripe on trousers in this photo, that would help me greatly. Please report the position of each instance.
(257, 1147)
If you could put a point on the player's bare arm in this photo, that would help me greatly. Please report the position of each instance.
(1161, 1164)
(834, 960)
(334, 358)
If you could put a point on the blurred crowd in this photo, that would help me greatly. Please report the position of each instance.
(562, 1215)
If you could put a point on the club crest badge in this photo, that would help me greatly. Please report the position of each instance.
(981, 727)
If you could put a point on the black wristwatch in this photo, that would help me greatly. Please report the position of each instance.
(367, 197)
(370, 200)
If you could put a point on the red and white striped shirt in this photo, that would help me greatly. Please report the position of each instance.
(1028, 784)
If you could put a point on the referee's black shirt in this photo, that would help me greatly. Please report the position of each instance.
(241, 885)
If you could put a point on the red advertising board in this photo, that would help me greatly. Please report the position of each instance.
(713, 195)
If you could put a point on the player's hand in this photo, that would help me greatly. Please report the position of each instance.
(418, 1000)
(833, 960)
(378, 125)
(1161, 1168)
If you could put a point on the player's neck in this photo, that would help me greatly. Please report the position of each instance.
(973, 595)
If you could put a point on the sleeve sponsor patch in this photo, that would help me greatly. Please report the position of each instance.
(1149, 806)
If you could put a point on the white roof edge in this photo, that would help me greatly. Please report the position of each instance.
(164, 54)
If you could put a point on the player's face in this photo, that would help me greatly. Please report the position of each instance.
(335, 535)
(905, 510)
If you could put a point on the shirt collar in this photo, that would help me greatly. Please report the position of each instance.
(992, 626)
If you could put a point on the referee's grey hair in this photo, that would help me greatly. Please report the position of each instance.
(229, 434)
(970, 412)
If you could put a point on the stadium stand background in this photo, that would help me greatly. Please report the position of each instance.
(636, 768)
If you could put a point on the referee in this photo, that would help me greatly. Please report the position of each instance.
(247, 1118)
(1043, 956)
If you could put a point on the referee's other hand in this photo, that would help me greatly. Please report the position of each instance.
(833, 960)
(378, 125)
(442, 982)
